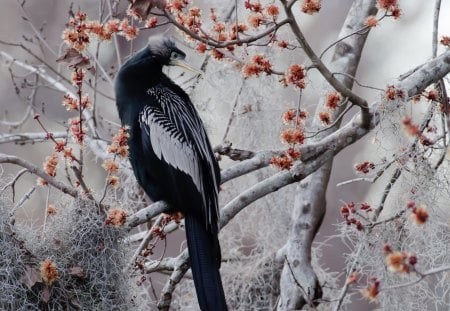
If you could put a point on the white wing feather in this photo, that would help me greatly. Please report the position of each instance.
(172, 148)
(169, 143)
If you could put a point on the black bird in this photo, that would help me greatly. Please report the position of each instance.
(172, 157)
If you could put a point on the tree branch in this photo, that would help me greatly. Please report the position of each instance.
(24, 138)
(4, 158)
(146, 214)
(224, 44)
(326, 73)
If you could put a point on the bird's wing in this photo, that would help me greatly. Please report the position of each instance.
(178, 137)
(170, 145)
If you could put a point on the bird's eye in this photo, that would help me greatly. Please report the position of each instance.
(174, 55)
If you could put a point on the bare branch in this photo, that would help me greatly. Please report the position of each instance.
(422, 275)
(224, 44)
(326, 73)
(232, 153)
(181, 265)
(146, 214)
(24, 138)
(4, 158)
(434, 43)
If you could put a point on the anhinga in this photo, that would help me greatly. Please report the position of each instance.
(172, 158)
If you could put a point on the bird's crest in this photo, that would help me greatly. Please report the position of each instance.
(159, 45)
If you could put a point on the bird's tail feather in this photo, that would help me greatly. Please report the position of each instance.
(204, 251)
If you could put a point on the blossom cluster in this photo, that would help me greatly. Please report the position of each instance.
(371, 21)
(372, 290)
(49, 271)
(397, 261)
(51, 209)
(294, 116)
(159, 232)
(413, 129)
(77, 35)
(295, 75)
(391, 7)
(191, 19)
(365, 167)
(258, 64)
(71, 103)
(223, 33)
(419, 214)
(50, 164)
(261, 15)
(293, 136)
(392, 93)
(66, 151)
(311, 6)
(349, 211)
(445, 41)
(77, 129)
(118, 147)
(332, 101)
(116, 217)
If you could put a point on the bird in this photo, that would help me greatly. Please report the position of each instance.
(172, 157)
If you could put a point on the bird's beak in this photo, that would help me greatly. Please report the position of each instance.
(183, 64)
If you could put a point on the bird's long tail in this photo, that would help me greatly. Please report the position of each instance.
(204, 253)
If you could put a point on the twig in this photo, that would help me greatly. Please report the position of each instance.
(12, 183)
(380, 222)
(233, 110)
(79, 175)
(346, 286)
(40, 70)
(144, 243)
(326, 73)
(234, 154)
(259, 160)
(422, 275)
(23, 138)
(357, 82)
(434, 42)
(224, 44)
(379, 173)
(47, 201)
(350, 181)
(55, 83)
(36, 32)
(335, 122)
(116, 42)
(22, 201)
(102, 69)
(4, 158)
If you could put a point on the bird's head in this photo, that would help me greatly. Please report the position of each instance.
(164, 50)
(145, 67)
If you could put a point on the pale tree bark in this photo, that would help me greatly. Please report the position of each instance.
(299, 284)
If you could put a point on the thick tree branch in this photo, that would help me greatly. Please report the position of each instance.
(146, 214)
(310, 204)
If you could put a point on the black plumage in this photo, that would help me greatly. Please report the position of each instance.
(172, 158)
